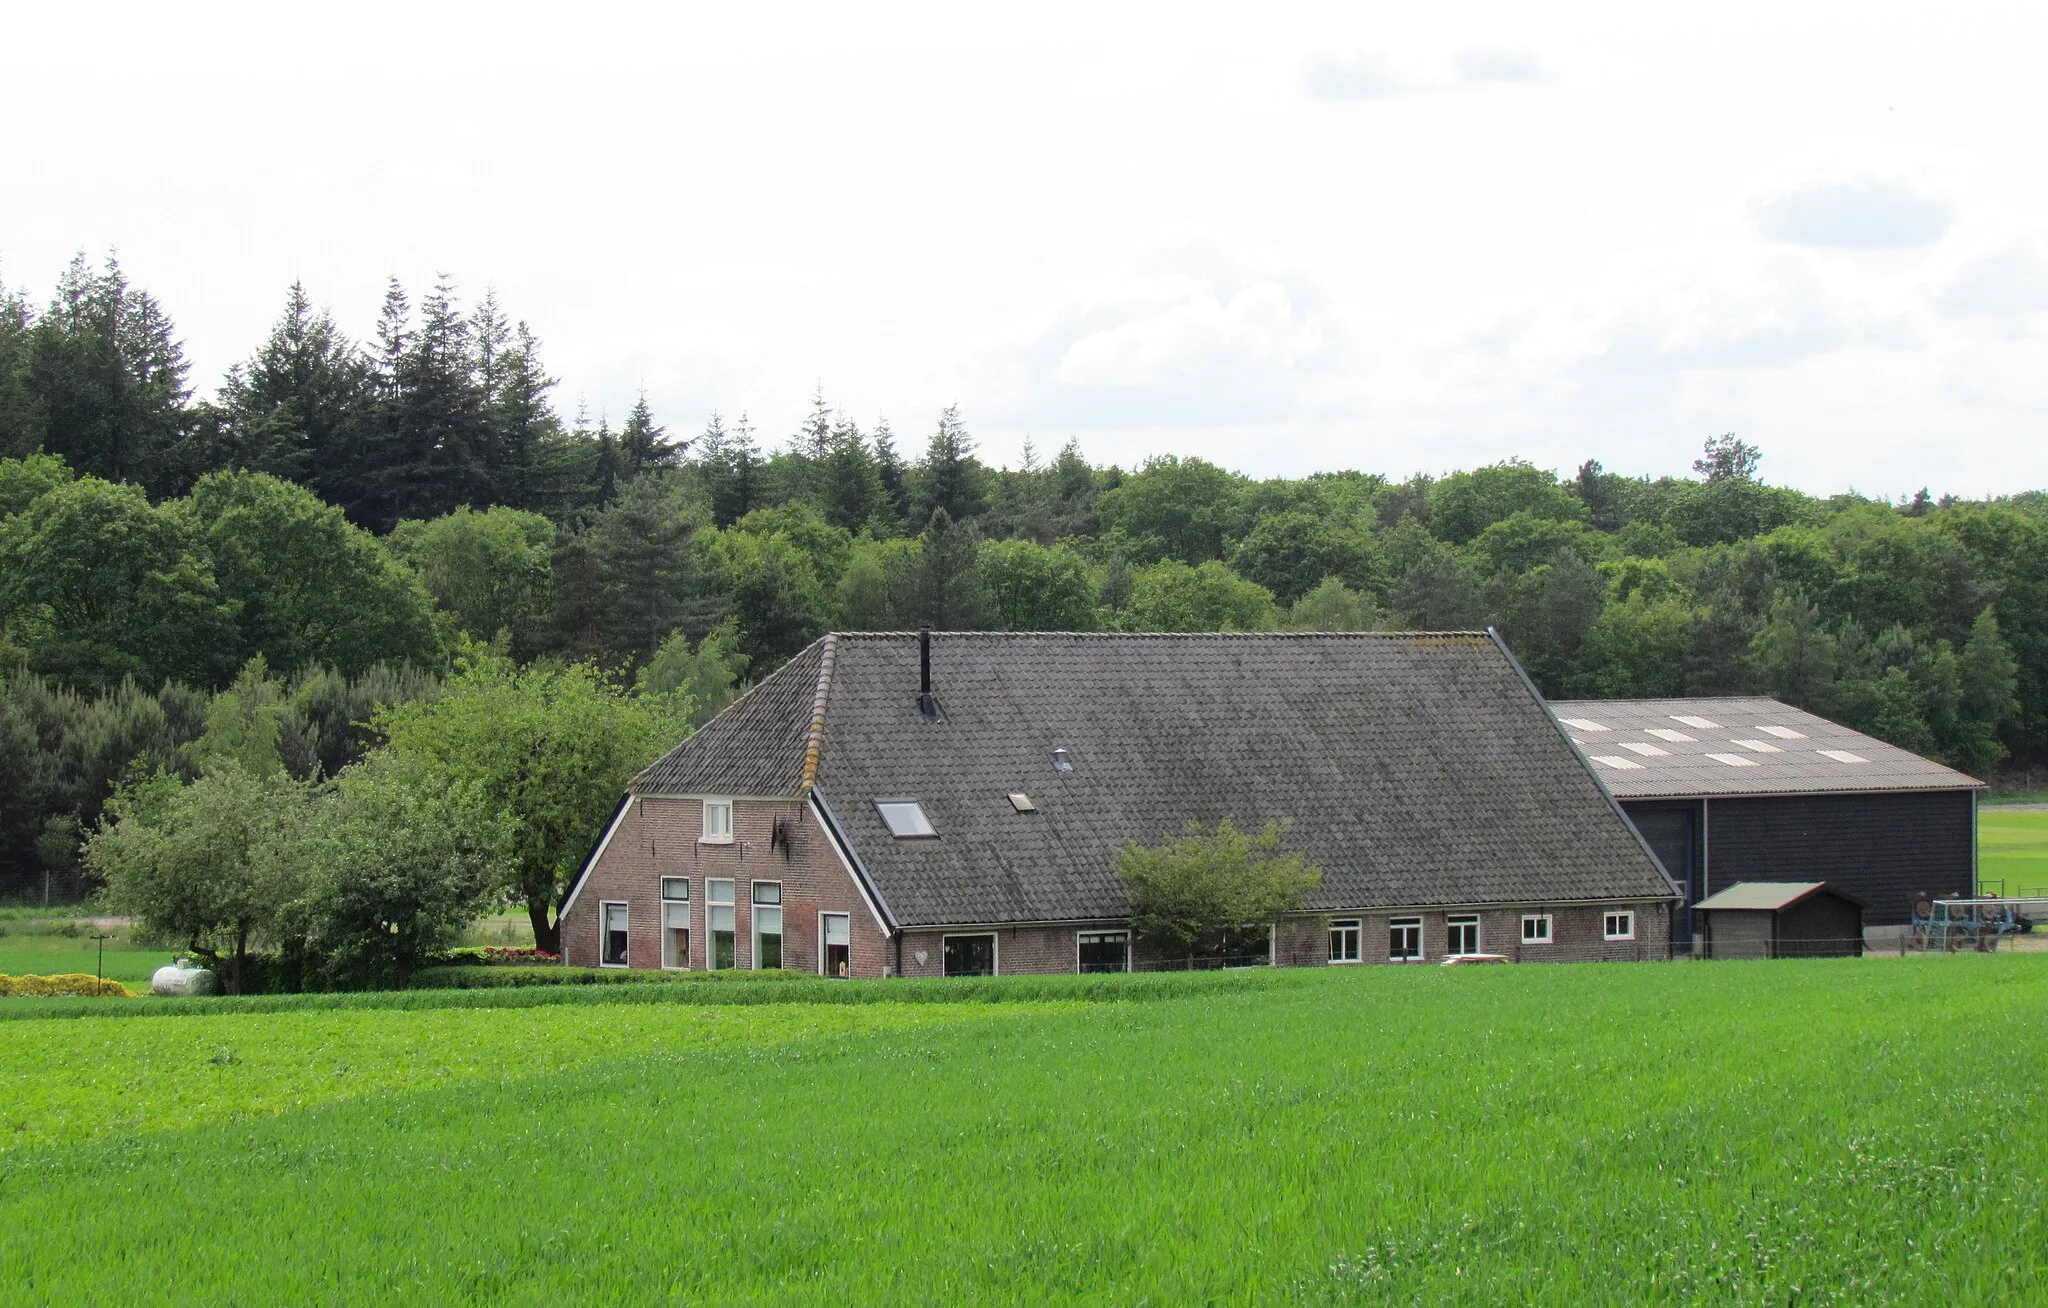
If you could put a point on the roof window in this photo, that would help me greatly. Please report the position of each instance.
(905, 819)
(1583, 724)
(1782, 733)
(1690, 720)
(1842, 756)
(1666, 733)
(1022, 802)
(1617, 762)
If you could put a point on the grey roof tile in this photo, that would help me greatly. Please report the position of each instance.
(1788, 764)
(1415, 768)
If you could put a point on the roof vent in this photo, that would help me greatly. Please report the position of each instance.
(1062, 761)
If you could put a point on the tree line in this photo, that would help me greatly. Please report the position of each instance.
(351, 514)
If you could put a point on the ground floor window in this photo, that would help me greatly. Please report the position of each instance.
(1404, 939)
(970, 955)
(1344, 941)
(767, 924)
(718, 912)
(1462, 932)
(836, 931)
(1535, 928)
(675, 922)
(1619, 926)
(1103, 951)
(612, 947)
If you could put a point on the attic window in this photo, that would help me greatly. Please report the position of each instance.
(1733, 760)
(1704, 724)
(1783, 733)
(1842, 756)
(1582, 724)
(1022, 802)
(1617, 762)
(905, 819)
(1666, 733)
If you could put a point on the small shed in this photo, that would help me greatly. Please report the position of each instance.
(1781, 919)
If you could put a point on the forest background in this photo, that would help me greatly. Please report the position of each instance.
(344, 526)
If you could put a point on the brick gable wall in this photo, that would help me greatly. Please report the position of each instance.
(659, 837)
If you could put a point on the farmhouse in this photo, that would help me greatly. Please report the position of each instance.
(890, 804)
(1744, 789)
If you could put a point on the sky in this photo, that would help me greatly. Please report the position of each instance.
(1284, 237)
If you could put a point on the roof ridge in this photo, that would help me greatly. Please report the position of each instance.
(814, 739)
(1172, 635)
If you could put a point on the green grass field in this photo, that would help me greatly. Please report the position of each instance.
(2012, 846)
(1850, 1131)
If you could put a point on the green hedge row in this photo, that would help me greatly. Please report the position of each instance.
(748, 988)
(495, 976)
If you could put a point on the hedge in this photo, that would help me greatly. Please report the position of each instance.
(63, 983)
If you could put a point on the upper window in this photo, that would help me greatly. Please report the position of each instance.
(718, 820)
(676, 889)
(905, 818)
(1535, 928)
(1618, 926)
(1344, 941)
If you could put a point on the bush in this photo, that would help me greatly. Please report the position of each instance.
(490, 976)
(64, 983)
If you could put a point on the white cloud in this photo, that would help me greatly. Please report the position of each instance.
(1350, 77)
(1499, 65)
(1860, 215)
(2013, 280)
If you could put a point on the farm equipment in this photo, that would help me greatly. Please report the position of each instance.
(1952, 924)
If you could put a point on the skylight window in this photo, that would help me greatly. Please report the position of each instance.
(1582, 724)
(1842, 756)
(905, 819)
(1022, 802)
(1644, 748)
(1733, 760)
(1704, 724)
(1782, 733)
(1759, 746)
(1617, 762)
(1666, 733)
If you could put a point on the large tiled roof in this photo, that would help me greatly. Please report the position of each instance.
(1688, 748)
(1416, 769)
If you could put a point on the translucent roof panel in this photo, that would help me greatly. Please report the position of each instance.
(1666, 733)
(1759, 746)
(1582, 724)
(1644, 748)
(1695, 720)
(1617, 762)
(1841, 756)
(1733, 760)
(905, 819)
(1782, 733)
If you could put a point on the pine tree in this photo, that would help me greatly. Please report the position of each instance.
(431, 448)
(604, 480)
(536, 468)
(21, 427)
(644, 446)
(852, 490)
(950, 477)
(895, 484)
(297, 407)
(736, 477)
(945, 583)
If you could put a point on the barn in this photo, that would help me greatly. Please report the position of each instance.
(1729, 790)
(919, 804)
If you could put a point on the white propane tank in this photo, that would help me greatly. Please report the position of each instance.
(181, 978)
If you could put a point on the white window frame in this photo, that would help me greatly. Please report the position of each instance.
(1456, 921)
(604, 927)
(1355, 928)
(1549, 936)
(995, 949)
(931, 828)
(1421, 953)
(754, 921)
(711, 803)
(1125, 933)
(669, 902)
(1628, 931)
(822, 946)
(710, 935)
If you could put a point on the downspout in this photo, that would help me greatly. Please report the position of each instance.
(1706, 848)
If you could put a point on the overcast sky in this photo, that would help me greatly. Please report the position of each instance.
(1284, 237)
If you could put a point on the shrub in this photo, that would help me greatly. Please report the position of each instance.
(64, 983)
(491, 976)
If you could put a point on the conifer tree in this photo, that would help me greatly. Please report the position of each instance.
(20, 426)
(296, 408)
(950, 477)
(535, 466)
(889, 468)
(852, 490)
(644, 446)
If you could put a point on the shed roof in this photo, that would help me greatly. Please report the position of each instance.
(1689, 748)
(1770, 896)
(1415, 768)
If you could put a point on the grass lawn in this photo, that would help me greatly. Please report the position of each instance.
(23, 954)
(2012, 844)
(1734, 1132)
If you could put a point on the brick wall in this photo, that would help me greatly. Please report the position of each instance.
(1577, 935)
(1019, 950)
(659, 838)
